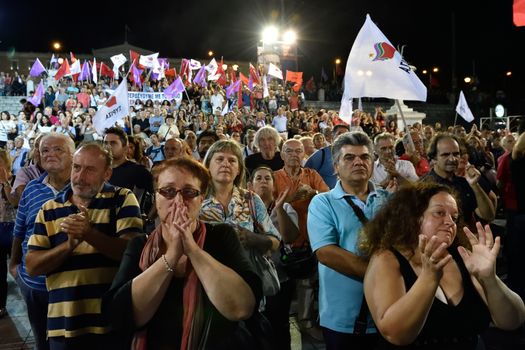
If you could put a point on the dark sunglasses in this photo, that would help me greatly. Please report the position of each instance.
(186, 193)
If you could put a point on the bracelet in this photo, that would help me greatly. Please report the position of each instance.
(168, 267)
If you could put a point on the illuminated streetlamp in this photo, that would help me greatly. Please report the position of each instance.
(467, 80)
(337, 61)
(274, 42)
(210, 53)
(57, 46)
(508, 74)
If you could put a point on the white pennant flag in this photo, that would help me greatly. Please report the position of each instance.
(346, 110)
(375, 69)
(212, 67)
(115, 109)
(150, 61)
(462, 108)
(194, 64)
(94, 71)
(75, 68)
(274, 71)
(266, 92)
(118, 60)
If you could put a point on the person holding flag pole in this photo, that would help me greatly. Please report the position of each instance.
(374, 69)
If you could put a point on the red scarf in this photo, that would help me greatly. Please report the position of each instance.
(192, 323)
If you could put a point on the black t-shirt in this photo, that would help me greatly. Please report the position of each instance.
(131, 175)
(256, 160)
(164, 330)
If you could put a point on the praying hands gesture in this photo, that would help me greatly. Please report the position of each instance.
(481, 261)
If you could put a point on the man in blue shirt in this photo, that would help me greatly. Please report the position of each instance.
(321, 161)
(333, 228)
(56, 154)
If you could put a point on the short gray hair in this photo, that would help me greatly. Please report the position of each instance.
(68, 141)
(352, 138)
(266, 131)
(384, 136)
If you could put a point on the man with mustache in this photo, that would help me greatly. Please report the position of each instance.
(77, 243)
(444, 150)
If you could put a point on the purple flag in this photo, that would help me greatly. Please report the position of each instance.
(234, 87)
(200, 78)
(85, 73)
(250, 83)
(39, 94)
(175, 87)
(154, 76)
(37, 69)
(136, 75)
(164, 62)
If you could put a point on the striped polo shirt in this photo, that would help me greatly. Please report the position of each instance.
(36, 193)
(76, 287)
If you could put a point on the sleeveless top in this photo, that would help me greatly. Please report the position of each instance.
(448, 326)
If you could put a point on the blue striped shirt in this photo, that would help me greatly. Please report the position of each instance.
(36, 193)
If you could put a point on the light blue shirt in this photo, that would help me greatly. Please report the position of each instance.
(331, 221)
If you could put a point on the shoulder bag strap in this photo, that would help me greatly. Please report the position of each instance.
(361, 320)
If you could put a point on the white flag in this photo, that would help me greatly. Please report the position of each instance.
(194, 64)
(225, 110)
(462, 108)
(94, 70)
(266, 92)
(273, 70)
(346, 110)
(75, 68)
(212, 67)
(118, 60)
(150, 61)
(115, 109)
(375, 69)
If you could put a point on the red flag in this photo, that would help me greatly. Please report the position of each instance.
(63, 70)
(239, 97)
(222, 81)
(170, 72)
(518, 11)
(244, 79)
(297, 86)
(105, 71)
(73, 59)
(254, 75)
(134, 57)
(310, 85)
(233, 78)
(294, 76)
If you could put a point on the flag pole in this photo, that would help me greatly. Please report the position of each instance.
(455, 118)
(410, 141)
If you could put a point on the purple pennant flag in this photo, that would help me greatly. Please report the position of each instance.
(175, 87)
(234, 87)
(250, 83)
(85, 74)
(164, 62)
(37, 68)
(200, 78)
(154, 76)
(39, 94)
(136, 75)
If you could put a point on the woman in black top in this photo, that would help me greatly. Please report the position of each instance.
(426, 286)
(189, 283)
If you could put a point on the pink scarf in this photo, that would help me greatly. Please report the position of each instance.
(192, 320)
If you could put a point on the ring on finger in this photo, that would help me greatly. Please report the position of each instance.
(432, 260)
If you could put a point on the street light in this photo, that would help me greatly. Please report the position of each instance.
(289, 37)
(337, 61)
(467, 80)
(57, 46)
(275, 43)
(509, 73)
(210, 53)
(270, 35)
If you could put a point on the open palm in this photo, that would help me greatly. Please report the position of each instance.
(481, 260)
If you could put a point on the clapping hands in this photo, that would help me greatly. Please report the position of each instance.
(481, 261)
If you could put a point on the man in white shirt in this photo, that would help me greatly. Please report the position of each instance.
(168, 129)
(217, 100)
(387, 167)
(280, 122)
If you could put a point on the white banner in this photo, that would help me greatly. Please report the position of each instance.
(115, 109)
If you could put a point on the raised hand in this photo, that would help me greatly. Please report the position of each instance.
(481, 261)
(77, 225)
(279, 202)
(434, 255)
(472, 174)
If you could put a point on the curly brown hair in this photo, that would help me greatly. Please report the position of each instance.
(397, 224)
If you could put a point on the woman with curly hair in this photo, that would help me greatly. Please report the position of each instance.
(426, 286)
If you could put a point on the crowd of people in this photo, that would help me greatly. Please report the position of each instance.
(172, 228)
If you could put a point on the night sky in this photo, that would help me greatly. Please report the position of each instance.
(484, 31)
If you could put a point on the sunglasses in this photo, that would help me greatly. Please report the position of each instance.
(186, 193)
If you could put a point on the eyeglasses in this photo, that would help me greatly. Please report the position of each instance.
(186, 193)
